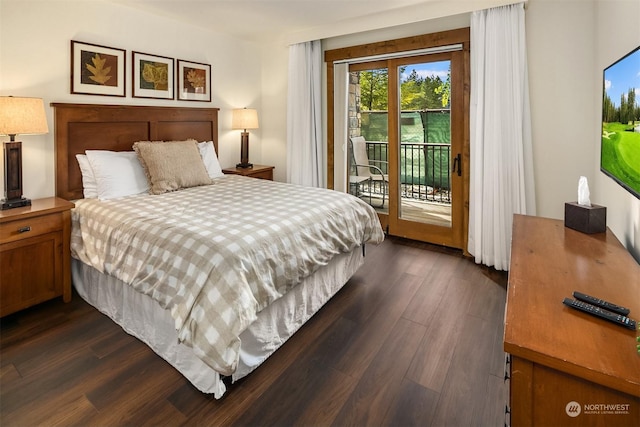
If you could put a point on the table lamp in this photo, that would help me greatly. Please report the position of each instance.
(244, 118)
(24, 116)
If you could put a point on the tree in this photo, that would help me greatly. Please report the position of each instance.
(373, 89)
(434, 100)
(626, 108)
(419, 93)
(411, 95)
(445, 90)
(631, 105)
(608, 109)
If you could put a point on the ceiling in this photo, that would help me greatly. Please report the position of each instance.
(272, 20)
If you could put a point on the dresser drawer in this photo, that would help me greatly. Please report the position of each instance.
(25, 228)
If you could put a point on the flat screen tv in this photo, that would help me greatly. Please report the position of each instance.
(620, 148)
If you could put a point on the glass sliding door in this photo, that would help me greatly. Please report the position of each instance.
(408, 116)
(425, 142)
(406, 144)
(369, 134)
(429, 107)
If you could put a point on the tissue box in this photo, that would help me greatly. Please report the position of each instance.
(587, 219)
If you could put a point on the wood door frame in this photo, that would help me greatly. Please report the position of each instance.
(407, 44)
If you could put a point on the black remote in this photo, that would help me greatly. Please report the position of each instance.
(616, 318)
(601, 303)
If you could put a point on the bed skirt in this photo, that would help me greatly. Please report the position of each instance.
(142, 317)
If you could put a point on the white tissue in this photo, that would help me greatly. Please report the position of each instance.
(583, 192)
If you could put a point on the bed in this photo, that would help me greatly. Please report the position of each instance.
(214, 278)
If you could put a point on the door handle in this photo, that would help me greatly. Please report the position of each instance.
(457, 164)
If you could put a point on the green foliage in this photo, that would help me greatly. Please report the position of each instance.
(374, 86)
(609, 111)
(445, 90)
(628, 111)
(621, 153)
(418, 93)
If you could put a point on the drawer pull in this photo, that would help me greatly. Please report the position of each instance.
(24, 229)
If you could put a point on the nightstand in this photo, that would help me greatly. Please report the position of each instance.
(35, 257)
(257, 171)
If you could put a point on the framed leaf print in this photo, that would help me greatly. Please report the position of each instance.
(97, 70)
(152, 76)
(194, 81)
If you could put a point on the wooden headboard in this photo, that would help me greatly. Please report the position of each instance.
(80, 127)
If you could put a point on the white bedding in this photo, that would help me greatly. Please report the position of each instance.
(215, 256)
(143, 318)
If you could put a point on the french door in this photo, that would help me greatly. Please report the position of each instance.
(413, 117)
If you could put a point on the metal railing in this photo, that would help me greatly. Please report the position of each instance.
(424, 169)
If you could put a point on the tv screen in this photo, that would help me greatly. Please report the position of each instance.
(620, 148)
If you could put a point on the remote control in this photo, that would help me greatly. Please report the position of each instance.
(601, 303)
(616, 318)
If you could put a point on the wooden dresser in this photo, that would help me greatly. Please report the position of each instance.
(35, 257)
(568, 368)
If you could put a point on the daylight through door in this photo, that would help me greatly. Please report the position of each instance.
(408, 133)
(405, 158)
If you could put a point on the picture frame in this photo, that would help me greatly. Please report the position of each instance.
(193, 81)
(152, 76)
(97, 70)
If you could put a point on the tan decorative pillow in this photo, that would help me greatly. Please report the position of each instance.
(172, 165)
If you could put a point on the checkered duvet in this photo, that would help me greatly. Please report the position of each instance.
(216, 255)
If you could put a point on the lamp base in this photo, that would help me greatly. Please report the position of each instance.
(14, 203)
(244, 165)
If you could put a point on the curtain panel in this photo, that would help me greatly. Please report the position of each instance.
(501, 167)
(305, 152)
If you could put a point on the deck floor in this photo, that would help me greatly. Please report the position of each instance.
(416, 210)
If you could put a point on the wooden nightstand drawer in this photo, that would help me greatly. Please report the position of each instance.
(30, 227)
(35, 254)
(31, 272)
(266, 174)
(257, 171)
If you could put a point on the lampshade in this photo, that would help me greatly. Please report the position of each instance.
(22, 116)
(244, 118)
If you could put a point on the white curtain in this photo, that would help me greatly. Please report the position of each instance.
(501, 156)
(340, 125)
(305, 158)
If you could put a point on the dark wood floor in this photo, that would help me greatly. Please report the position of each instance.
(414, 339)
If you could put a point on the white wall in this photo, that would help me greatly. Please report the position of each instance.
(35, 61)
(561, 62)
(273, 125)
(617, 32)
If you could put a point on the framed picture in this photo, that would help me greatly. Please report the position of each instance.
(152, 76)
(97, 70)
(194, 81)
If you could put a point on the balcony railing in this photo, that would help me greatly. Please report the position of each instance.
(424, 169)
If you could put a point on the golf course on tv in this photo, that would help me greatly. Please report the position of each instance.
(621, 153)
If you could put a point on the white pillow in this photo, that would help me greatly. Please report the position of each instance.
(89, 185)
(210, 159)
(117, 173)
